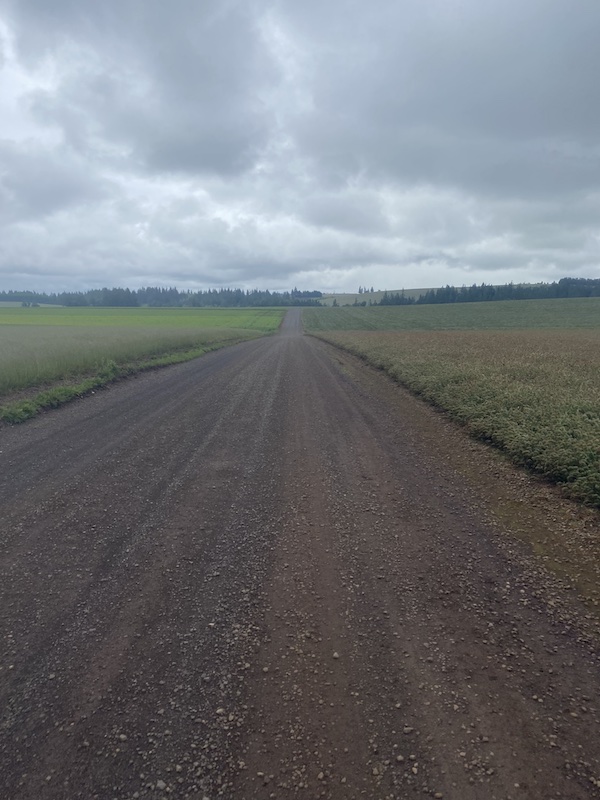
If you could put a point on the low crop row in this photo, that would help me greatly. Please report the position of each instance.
(534, 394)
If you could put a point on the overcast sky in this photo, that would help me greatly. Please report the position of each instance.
(327, 145)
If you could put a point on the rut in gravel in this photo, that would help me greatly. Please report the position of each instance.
(254, 576)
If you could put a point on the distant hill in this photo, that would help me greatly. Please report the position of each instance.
(565, 287)
(349, 298)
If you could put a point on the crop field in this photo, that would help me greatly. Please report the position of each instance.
(524, 376)
(42, 346)
(572, 313)
(259, 319)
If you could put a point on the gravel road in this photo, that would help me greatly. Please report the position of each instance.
(261, 574)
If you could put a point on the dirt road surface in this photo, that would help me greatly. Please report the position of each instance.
(263, 574)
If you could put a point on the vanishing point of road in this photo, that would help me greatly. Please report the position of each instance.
(265, 574)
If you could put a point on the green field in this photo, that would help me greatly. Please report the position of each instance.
(524, 375)
(259, 319)
(41, 347)
(573, 313)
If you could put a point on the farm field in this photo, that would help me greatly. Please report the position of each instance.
(42, 346)
(260, 319)
(581, 312)
(524, 376)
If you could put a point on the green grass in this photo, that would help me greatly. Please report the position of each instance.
(260, 319)
(81, 349)
(572, 313)
(40, 355)
(524, 376)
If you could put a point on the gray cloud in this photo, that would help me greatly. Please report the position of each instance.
(175, 93)
(36, 183)
(271, 142)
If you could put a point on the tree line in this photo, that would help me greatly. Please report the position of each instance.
(156, 296)
(565, 287)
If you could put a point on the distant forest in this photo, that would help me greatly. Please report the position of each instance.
(565, 287)
(155, 296)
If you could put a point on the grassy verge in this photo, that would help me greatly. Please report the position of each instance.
(45, 346)
(108, 372)
(39, 355)
(69, 352)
